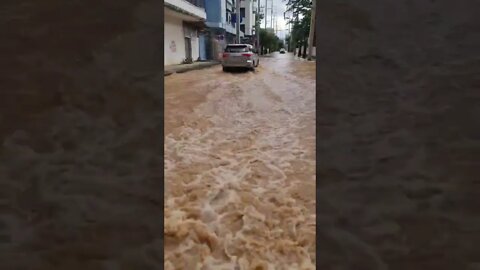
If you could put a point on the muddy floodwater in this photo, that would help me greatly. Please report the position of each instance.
(240, 167)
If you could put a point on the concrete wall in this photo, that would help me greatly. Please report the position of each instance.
(173, 32)
(174, 42)
(249, 20)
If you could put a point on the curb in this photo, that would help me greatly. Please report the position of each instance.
(186, 69)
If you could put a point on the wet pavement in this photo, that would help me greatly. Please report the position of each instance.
(240, 167)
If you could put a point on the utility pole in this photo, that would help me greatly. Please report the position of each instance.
(295, 45)
(312, 31)
(289, 22)
(257, 26)
(266, 8)
(271, 15)
(237, 25)
(276, 25)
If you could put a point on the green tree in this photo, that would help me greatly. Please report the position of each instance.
(269, 41)
(258, 19)
(287, 39)
(300, 21)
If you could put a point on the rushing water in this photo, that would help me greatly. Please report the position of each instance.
(239, 168)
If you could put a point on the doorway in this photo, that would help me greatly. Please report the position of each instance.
(188, 50)
(202, 48)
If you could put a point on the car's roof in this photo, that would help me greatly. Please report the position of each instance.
(238, 45)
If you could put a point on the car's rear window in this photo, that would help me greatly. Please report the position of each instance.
(236, 49)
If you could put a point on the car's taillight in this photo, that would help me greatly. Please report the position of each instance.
(225, 55)
(247, 54)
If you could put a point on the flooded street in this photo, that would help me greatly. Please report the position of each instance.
(240, 167)
(396, 181)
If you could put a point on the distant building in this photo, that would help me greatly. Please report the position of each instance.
(221, 18)
(247, 13)
(221, 21)
(183, 22)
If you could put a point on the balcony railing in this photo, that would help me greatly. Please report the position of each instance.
(198, 3)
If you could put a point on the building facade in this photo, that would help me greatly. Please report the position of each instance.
(184, 23)
(247, 13)
(197, 30)
(221, 18)
(221, 21)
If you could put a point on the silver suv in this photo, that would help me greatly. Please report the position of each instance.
(240, 56)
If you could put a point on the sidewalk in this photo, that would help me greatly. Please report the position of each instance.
(187, 67)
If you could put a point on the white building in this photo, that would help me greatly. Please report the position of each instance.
(247, 12)
(183, 20)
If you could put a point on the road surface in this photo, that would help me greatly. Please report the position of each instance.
(240, 167)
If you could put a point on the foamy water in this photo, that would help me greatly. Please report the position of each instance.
(233, 184)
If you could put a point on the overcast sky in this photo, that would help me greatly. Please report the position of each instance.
(279, 8)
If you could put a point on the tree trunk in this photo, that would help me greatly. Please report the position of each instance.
(312, 31)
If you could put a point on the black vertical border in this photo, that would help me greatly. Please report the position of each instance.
(162, 134)
(460, 43)
(317, 127)
(25, 42)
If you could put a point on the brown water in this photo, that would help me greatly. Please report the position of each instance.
(239, 167)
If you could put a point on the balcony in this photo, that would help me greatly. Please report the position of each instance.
(191, 10)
